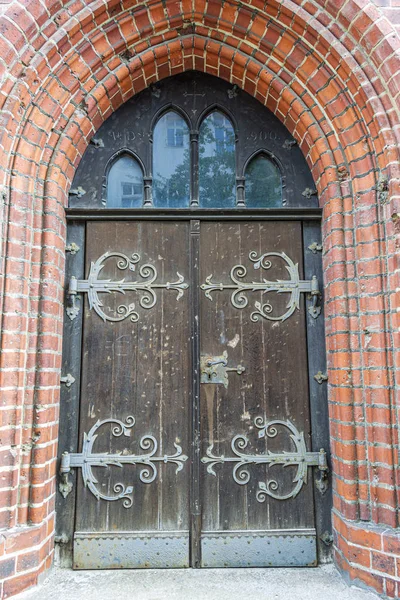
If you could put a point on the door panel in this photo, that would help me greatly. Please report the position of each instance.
(240, 526)
(137, 370)
(138, 451)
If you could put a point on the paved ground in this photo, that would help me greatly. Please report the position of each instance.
(322, 583)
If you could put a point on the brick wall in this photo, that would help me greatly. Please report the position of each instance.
(330, 71)
(390, 9)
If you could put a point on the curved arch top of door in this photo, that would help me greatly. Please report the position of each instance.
(192, 97)
(194, 426)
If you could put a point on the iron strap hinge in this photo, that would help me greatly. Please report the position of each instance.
(239, 288)
(148, 285)
(240, 461)
(147, 461)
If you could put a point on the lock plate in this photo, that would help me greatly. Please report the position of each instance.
(214, 369)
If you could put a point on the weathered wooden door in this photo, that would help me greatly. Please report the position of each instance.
(133, 509)
(193, 409)
(171, 476)
(257, 509)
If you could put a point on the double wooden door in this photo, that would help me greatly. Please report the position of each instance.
(194, 413)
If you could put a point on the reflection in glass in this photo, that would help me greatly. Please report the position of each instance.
(125, 184)
(217, 170)
(171, 162)
(263, 183)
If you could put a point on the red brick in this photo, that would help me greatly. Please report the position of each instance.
(384, 563)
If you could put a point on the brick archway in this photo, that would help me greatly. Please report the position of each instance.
(328, 71)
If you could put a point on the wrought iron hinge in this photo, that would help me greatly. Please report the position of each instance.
(87, 459)
(315, 309)
(240, 287)
(320, 377)
(315, 247)
(65, 486)
(299, 457)
(72, 299)
(323, 470)
(93, 286)
(214, 369)
(72, 248)
(68, 380)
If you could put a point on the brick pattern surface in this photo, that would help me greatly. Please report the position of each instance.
(390, 8)
(330, 71)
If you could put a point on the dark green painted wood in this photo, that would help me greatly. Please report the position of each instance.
(318, 392)
(70, 396)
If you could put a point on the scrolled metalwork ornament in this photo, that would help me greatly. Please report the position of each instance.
(86, 460)
(241, 460)
(293, 286)
(93, 286)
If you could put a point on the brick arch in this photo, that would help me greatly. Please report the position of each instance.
(69, 69)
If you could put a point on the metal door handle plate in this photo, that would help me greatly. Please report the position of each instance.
(214, 369)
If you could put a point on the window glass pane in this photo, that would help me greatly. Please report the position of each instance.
(217, 167)
(125, 184)
(171, 162)
(263, 183)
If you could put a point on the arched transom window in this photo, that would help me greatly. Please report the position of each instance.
(193, 142)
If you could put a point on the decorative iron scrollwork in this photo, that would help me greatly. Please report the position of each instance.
(86, 460)
(93, 286)
(294, 286)
(241, 460)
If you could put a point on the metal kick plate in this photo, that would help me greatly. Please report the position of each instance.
(281, 548)
(131, 550)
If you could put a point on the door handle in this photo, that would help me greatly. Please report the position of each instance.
(219, 361)
(214, 369)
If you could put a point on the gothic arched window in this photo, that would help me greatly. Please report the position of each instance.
(125, 183)
(263, 183)
(171, 162)
(217, 164)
